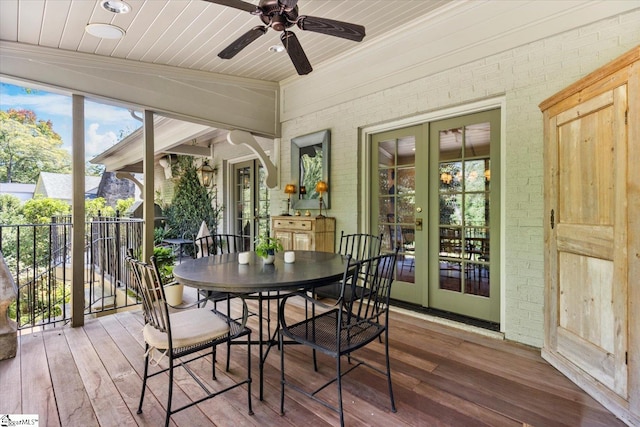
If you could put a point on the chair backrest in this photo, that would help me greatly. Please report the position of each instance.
(360, 245)
(151, 291)
(375, 274)
(217, 244)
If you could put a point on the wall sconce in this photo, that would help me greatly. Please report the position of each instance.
(206, 174)
(487, 174)
(321, 187)
(303, 190)
(289, 189)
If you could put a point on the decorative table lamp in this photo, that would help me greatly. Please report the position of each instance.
(321, 187)
(289, 189)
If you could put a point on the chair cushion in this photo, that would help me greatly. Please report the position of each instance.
(189, 327)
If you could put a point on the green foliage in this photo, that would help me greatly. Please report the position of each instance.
(192, 203)
(10, 209)
(159, 234)
(165, 259)
(94, 170)
(123, 205)
(97, 207)
(29, 146)
(266, 245)
(39, 210)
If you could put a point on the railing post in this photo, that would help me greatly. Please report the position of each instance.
(8, 328)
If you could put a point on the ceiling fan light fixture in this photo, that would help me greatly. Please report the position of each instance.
(276, 48)
(105, 31)
(115, 6)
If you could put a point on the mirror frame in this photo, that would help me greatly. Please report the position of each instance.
(322, 137)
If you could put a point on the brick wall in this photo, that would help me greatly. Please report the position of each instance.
(524, 77)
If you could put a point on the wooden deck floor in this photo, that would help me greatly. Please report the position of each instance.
(91, 376)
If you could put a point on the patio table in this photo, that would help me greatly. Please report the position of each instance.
(222, 273)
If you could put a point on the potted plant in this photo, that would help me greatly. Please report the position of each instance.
(165, 259)
(266, 248)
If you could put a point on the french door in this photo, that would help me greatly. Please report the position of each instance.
(250, 201)
(435, 197)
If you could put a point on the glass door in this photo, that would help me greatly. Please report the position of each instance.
(399, 194)
(464, 223)
(251, 201)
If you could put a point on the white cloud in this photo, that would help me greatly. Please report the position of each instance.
(96, 143)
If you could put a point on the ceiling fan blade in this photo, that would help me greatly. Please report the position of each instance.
(242, 42)
(297, 55)
(331, 27)
(237, 4)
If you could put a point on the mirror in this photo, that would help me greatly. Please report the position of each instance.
(310, 164)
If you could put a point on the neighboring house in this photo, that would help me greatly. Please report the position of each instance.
(59, 186)
(21, 191)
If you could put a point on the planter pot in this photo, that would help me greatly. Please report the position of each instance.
(269, 259)
(174, 293)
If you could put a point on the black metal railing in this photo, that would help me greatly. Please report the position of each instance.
(39, 258)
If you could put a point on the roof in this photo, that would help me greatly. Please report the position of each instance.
(21, 191)
(59, 185)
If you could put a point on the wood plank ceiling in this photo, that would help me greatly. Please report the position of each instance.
(190, 33)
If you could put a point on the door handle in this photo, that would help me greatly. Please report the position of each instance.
(418, 224)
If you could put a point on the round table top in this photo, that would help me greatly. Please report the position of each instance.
(222, 273)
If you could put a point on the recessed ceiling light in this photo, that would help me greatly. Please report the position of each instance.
(105, 31)
(115, 6)
(276, 48)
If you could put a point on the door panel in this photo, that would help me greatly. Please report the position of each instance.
(587, 259)
(464, 219)
(399, 200)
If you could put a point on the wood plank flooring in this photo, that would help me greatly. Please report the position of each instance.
(91, 376)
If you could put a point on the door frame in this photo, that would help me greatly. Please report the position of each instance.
(228, 183)
(364, 149)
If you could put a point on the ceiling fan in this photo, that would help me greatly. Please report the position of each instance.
(281, 15)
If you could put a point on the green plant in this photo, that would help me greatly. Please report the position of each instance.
(266, 245)
(165, 260)
(192, 203)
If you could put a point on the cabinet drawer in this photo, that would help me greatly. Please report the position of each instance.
(304, 225)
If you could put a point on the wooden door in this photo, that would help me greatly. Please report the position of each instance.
(586, 233)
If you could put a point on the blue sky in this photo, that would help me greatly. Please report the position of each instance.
(103, 123)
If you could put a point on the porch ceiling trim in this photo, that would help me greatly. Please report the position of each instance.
(216, 100)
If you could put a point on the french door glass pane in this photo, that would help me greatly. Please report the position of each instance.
(464, 189)
(397, 202)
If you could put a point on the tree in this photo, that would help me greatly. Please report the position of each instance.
(191, 204)
(29, 146)
(10, 209)
(39, 210)
(96, 206)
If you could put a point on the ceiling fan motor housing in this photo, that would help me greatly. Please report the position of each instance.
(276, 16)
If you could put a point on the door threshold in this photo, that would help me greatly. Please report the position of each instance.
(455, 320)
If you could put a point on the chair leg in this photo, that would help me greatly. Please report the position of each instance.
(386, 348)
(166, 423)
(228, 342)
(280, 341)
(339, 383)
(144, 377)
(214, 352)
(248, 373)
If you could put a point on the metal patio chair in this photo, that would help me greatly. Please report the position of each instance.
(341, 329)
(181, 336)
